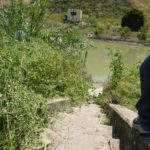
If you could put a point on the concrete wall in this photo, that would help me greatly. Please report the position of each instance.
(75, 18)
(130, 139)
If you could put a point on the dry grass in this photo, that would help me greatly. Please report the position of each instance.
(143, 5)
(7, 2)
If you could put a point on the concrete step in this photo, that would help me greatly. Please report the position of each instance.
(114, 144)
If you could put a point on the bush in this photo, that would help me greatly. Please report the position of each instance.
(125, 32)
(143, 34)
(35, 63)
(123, 87)
(47, 71)
(92, 22)
(98, 30)
(133, 19)
(20, 118)
(67, 39)
(65, 18)
(116, 67)
(21, 21)
(30, 72)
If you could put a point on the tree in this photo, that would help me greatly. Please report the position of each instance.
(134, 19)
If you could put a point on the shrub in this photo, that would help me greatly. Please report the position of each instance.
(143, 34)
(65, 18)
(1, 41)
(123, 87)
(98, 30)
(133, 19)
(19, 116)
(30, 72)
(68, 39)
(35, 64)
(125, 32)
(21, 21)
(116, 67)
(47, 71)
(92, 22)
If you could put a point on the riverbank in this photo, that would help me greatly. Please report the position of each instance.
(118, 40)
(100, 52)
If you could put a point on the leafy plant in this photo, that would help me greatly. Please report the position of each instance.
(68, 39)
(123, 87)
(143, 34)
(116, 68)
(98, 30)
(30, 72)
(133, 19)
(21, 21)
(125, 32)
(35, 63)
(19, 107)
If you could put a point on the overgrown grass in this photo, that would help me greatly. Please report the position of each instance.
(124, 85)
(107, 15)
(20, 21)
(143, 5)
(35, 64)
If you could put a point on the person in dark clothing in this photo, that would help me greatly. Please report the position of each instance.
(142, 122)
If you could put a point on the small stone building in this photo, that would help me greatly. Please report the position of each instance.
(74, 15)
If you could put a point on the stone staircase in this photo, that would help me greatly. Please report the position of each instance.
(81, 129)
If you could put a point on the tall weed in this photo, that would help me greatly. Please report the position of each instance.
(20, 21)
(116, 68)
(35, 63)
(19, 106)
(123, 87)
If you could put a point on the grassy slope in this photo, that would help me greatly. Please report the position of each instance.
(7, 2)
(143, 5)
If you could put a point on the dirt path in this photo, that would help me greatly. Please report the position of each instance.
(79, 130)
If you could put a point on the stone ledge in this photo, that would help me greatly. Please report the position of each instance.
(126, 114)
(130, 139)
(59, 104)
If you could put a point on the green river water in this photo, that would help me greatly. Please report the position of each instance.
(98, 59)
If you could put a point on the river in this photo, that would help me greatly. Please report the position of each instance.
(98, 59)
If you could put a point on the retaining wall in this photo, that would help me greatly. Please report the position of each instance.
(130, 139)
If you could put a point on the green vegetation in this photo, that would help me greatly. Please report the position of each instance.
(144, 6)
(125, 32)
(143, 34)
(102, 19)
(41, 59)
(123, 87)
(36, 63)
(134, 19)
(98, 61)
(21, 22)
(98, 30)
(98, 9)
(116, 68)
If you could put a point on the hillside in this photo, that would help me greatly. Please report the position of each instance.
(143, 5)
(99, 8)
(103, 8)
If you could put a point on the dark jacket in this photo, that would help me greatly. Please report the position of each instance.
(144, 102)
